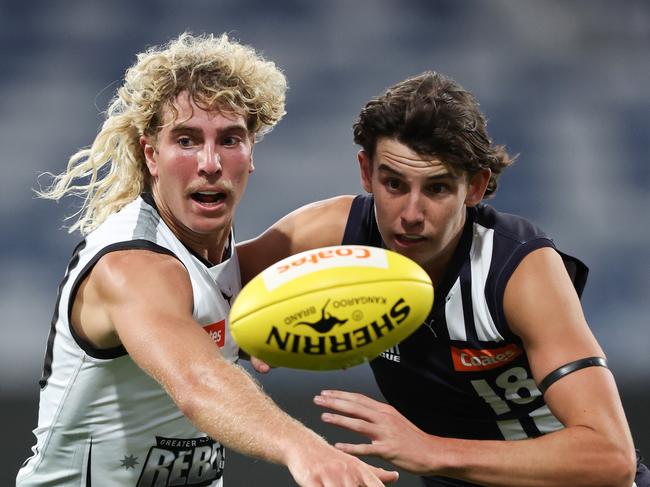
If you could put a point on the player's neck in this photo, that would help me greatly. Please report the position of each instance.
(209, 246)
(438, 266)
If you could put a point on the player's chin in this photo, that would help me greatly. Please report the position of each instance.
(210, 225)
(421, 254)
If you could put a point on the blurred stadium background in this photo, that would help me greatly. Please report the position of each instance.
(566, 84)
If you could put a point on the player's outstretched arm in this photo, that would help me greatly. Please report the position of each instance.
(595, 447)
(146, 299)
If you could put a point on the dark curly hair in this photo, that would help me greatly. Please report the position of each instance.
(434, 116)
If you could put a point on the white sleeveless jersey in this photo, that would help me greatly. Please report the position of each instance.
(102, 420)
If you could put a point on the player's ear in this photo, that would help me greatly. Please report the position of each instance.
(365, 166)
(476, 188)
(149, 155)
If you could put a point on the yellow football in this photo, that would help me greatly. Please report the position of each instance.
(331, 308)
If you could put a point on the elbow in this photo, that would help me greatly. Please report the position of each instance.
(189, 395)
(623, 468)
(196, 390)
(188, 405)
(610, 465)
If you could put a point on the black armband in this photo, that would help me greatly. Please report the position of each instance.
(569, 368)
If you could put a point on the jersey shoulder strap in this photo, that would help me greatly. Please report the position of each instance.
(361, 227)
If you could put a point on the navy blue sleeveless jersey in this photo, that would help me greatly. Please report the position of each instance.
(464, 373)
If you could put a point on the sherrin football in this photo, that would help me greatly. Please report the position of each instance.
(331, 308)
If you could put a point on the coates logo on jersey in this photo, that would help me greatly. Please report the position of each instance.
(472, 359)
(217, 332)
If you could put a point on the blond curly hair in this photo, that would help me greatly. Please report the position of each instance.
(217, 72)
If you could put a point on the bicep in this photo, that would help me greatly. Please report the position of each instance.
(148, 299)
(543, 308)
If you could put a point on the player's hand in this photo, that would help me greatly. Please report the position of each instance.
(393, 437)
(260, 366)
(324, 466)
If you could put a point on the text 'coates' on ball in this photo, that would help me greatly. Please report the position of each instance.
(331, 308)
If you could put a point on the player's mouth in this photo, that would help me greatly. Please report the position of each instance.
(209, 199)
(406, 240)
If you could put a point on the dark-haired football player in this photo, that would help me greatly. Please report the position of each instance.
(504, 384)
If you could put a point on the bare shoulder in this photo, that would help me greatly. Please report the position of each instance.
(539, 280)
(137, 272)
(330, 214)
(337, 205)
(124, 284)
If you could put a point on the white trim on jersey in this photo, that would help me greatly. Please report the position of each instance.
(454, 313)
(480, 261)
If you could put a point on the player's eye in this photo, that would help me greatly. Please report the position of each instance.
(185, 141)
(438, 188)
(231, 140)
(393, 184)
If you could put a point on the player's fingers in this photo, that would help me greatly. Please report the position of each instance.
(350, 396)
(356, 449)
(260, 366)
(353, 424)
(386, 476)
(344, 406)
(368, 479)
(363, 477)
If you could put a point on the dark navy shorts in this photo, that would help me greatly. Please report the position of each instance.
(642, 478)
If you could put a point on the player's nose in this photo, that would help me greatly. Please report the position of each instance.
(412, 214)
(208, 160)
